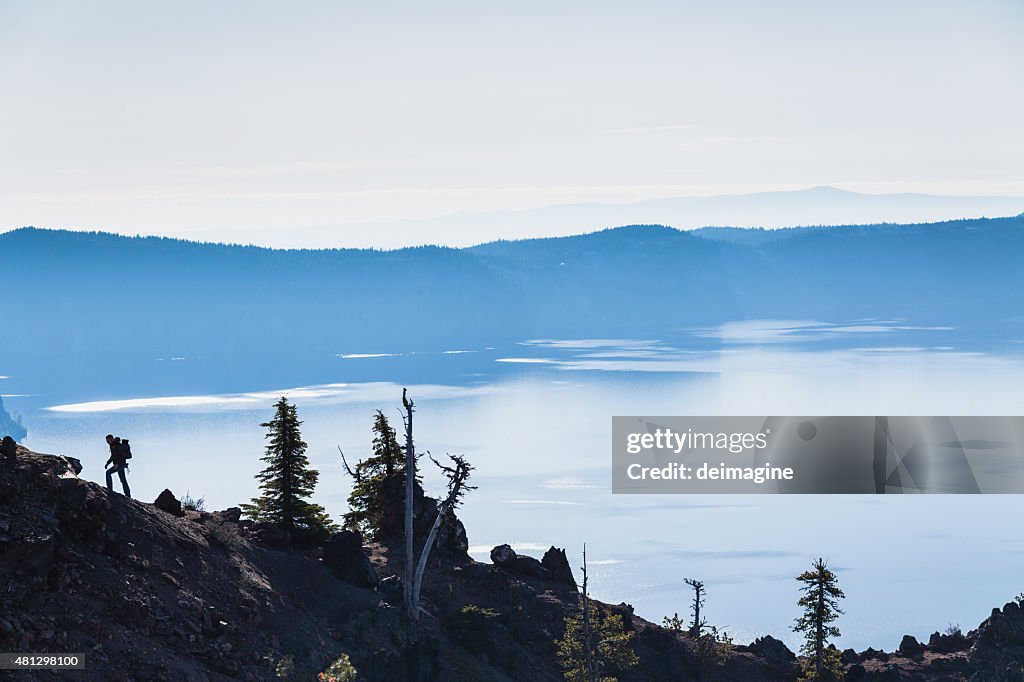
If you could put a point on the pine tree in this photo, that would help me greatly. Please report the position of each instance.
(595, 642)
(820, 602)
(367, 500)
(288, 480)
(612, 652)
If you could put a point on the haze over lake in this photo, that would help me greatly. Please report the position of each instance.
(534, 418)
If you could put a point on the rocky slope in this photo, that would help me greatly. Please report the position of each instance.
(156, 593)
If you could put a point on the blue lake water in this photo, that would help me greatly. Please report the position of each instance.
(535, 419)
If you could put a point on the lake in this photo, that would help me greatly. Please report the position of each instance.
(535, 419)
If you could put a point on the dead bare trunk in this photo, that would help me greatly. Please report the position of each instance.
(411, 607)
(587, 644)
(424, 555)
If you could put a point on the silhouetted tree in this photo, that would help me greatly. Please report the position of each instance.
(710, 644)
(595, 642)
(457, 475)
(697, 626)
(820, 602)
(411, 609)
(367, 500)
(287, 480)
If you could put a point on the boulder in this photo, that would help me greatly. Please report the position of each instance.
(73, 465)
(451, 539)
(528, 566)
(168, 503)
(558, 566)
(230, 515)
(452, 536)
(506, 557)
(503, 555)
(343, 552)
(910, 647)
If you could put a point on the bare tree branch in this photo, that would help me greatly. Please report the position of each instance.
(457, 476)
(354, 474)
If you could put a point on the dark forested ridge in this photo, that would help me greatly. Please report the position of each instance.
(101, 292)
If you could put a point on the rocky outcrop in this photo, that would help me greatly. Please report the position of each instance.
(910, 647)
(68, 466)
(168, 503)
(998, 647)
(949, 642)
(229, 515)
(772, 650)
(343, 552)
(451, 536)
(506, 557)
(155, 596)
(503, 555)
(557, 564)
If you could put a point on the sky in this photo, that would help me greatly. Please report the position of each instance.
(198, 118)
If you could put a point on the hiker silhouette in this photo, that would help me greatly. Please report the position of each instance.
(120, 464)
(8, 450)
(8, 457)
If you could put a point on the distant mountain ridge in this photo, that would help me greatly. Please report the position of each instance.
(79, 296)
(776, 209)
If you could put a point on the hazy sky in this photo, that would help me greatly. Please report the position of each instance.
(194, 116)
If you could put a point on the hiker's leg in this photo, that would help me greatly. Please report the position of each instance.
(124, 482)
(110, 479)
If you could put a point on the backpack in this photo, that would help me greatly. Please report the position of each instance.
(8, 449)
(126, 450)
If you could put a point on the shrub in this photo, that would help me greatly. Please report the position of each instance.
(285, 668)
(471, 628)
(193, 503)
(341, 670)
(673, 623)
(714, 646)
